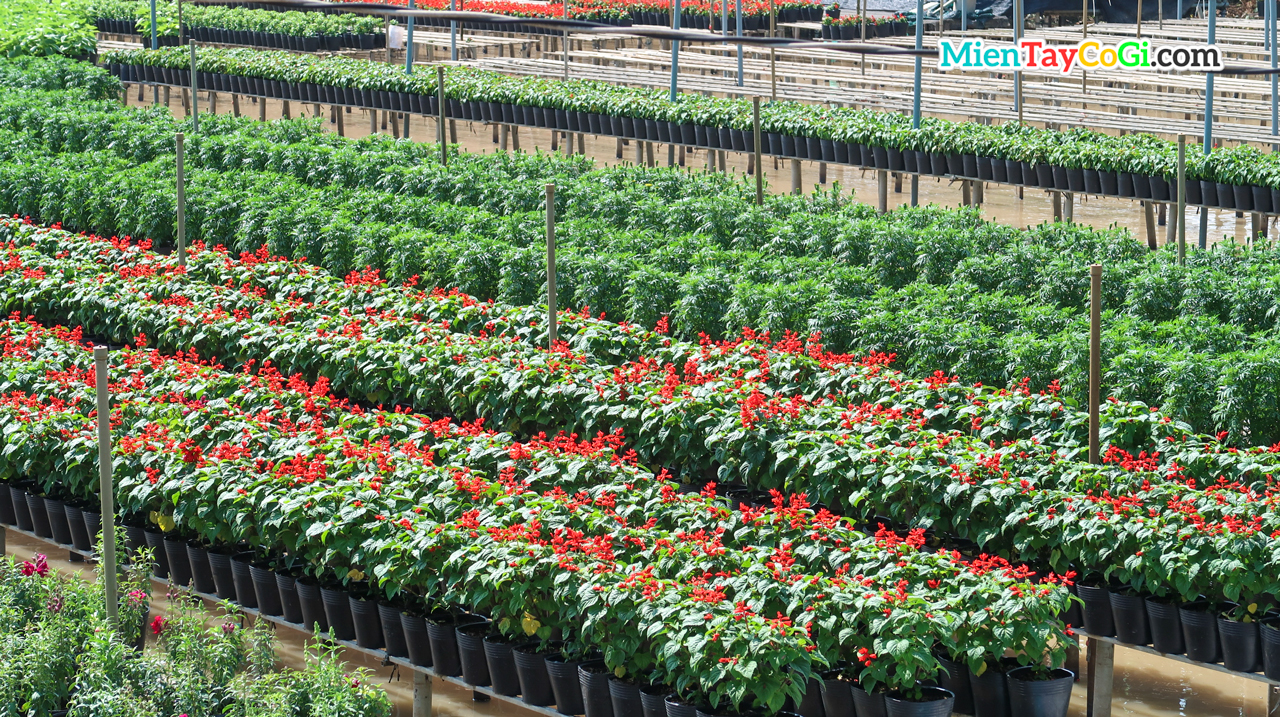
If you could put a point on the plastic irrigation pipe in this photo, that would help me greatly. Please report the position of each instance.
(106, 491)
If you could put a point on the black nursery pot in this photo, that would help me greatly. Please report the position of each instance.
(392, 630)
(1240, 646)
(1129, 614)
(1200, 631)
(1226, 195)
(1208, 193)
(6, 505)
(954, 676)
(653, 700)
(39, 516)
(201, 573)
(501, 659)
(58, 527)
(416, 639)
(1269, 631)
(1166, 626)
(937, 702)
(155, 541)
(264, 586)
(75, 523)
(179, 563)
(337, 609)
(367, 622)
(593, 683)
(442, 628)
(837, 699)
(677, 707)
(565, 684)
(1031, 697)
(1097, 609)
(867, 704)
(223, 578)
(990, 693)
(811, 702)
(246, 595)
(1013, 171)
(290, 603)
(531, 669)
(475, 666)
(1092, 181)
(92, 524)
(625, 698)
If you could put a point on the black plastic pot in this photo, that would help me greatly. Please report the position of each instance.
(501, 661)
(1226, 195)
(624, 697)
(564, 684)
(811, 701)
(880, 157)
(57, 515)
(867, 704)
(954, 676)
(337, 609)
(1109, 182)
(368, 624)
(1124, 184)
(92, 523)
(1141, 185)
(1030, 177)
(39, 516)
(1159, 189)
(985, 169)
(1097, 610)
(224, 578)
(1013, 171)
(1075, 179)
(392, 630)
(290, 603)
(265, 588)
(593, 683)
(475, 666)
(937, 702)
(1200, 631)
(990, 693)
(416, 638)
(837, 699)
(1092, 182)
(1240, 646)
(531, 669)
(1129, 614)
(75, 524)
(955, 164)
(677, 707)
(1060, 179)
(246, 594)
(1031, 697)
(1208, 193)
(1193, 191)
(442, 628)
(1166, 626)
(1243, 195)
(1044, 175)
(1269, 632)
(1261, 199)
(155, 541)
(999, 169)
(201, 573)
(6, 505)
(938, 163)
(179, 563)
(909, 163)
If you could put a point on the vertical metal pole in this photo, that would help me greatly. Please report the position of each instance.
(408, 48)
(421, 694)
(566, 41)
(964, 15)
(1095, 355)
(1208, 82)
(181, 206)
(755, 121)
(1275, 81)
(737, 12)
(796, 187)
(1139, 33)
(915, 96)
(1182, 199)
(675, 49)
(195, 86)
(1149, 217)
(453, 32)
(1017, 76)
(724, 18)
(773, 56)
(155, 44)
(882, 191)
(106, 490)
(1084, 33)
(551, 265)
(440, 102)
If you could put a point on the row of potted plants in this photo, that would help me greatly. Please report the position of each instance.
(849, 27)
(292, 30)
(1077, 160)
(696, 14)
(65, 657)
(758, 440)
(450, 513)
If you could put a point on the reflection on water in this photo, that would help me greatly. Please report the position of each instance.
(1145, 685)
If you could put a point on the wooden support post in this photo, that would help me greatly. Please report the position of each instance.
(503, 132)
(494, 127)
(680, 156)
(1161, 211)
(897, 182)
(721, 157)
(1069, 208)
(1170, 231)
(515, 138)
(618, 153)
(166, 95)
(882, 191)
(966, 196)
(395, 126)
(1149, 216)
(795, 177)
(822, 174)
(979, 190)
(671, 155)
(1101, 671)
(582, 143)
(421, 694)
(1258, 226)
(640, 154)
(213, 103)
(342, 131)
(186, 103)
(315, 109)
(235, 105)
(284, 112)
(262, 110)
(373, 120)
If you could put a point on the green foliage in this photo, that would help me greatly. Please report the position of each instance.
(45, 27)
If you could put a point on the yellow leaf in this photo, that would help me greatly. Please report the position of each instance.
(619, 671)
(503, 624)
(354, 574)
(529, 624)
(981, 670)
(166, 523)
(1253, 607)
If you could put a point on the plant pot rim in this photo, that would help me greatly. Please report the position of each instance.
(1056, 673)
(941, 694)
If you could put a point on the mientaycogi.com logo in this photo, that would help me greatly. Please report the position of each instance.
(973, 54)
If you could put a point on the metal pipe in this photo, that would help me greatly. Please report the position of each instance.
(106, 491)
(195, 85)
(1017, 76)
(181, 204)
(773, 56)
(738, 12)
(1275, 82)
(408, 46)
(440, 108)
(1182, 199)
(551, 266)
(565, 40)
(1095, 356)
(453, 33)
(915, 93)
(755, 120)
(675, 50)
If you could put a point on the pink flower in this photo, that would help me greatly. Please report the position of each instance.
(39, 567)
(159, 625)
